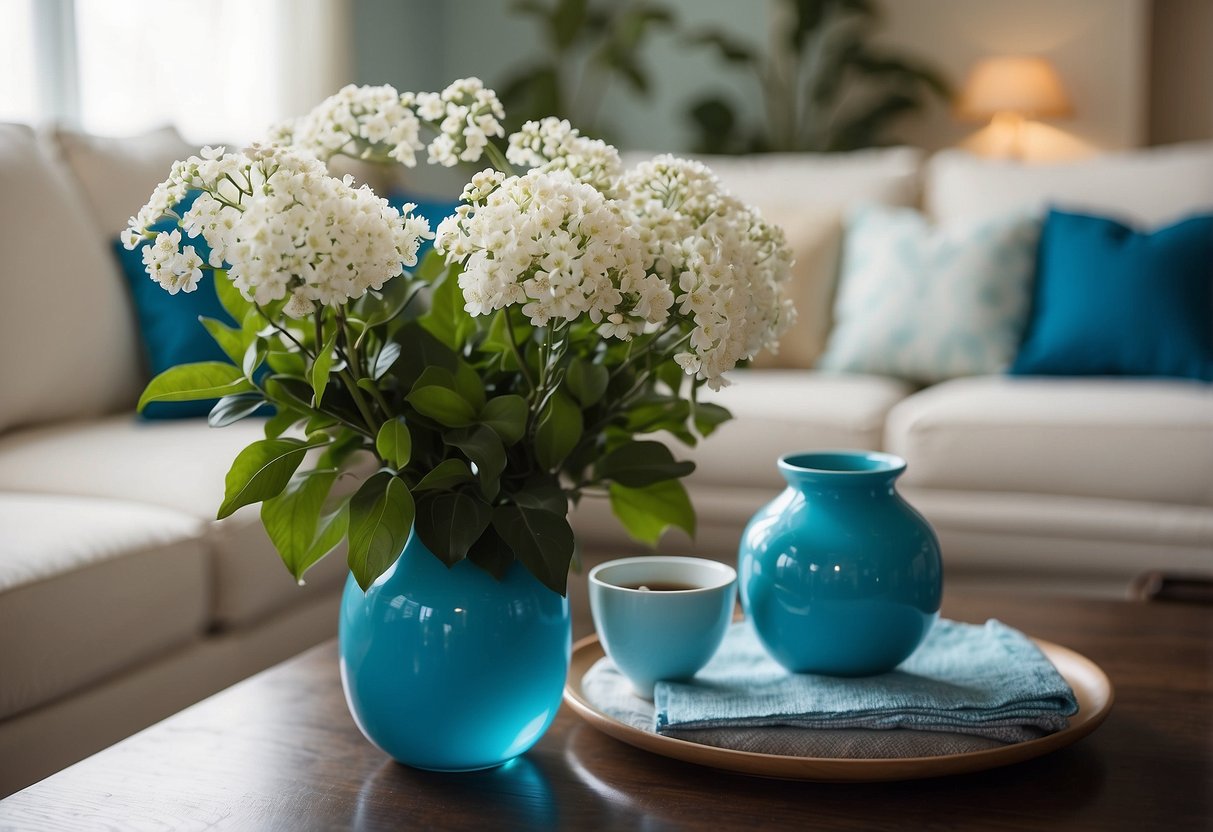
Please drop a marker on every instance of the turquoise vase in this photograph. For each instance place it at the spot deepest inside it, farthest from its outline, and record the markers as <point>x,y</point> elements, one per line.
<point>451,669</point>
<point>838,573</point>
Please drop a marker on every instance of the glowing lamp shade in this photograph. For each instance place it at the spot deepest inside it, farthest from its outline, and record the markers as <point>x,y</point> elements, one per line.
<point>1024,87</point>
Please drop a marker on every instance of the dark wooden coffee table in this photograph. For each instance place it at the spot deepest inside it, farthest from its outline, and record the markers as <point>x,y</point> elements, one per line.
<point>279,751</point>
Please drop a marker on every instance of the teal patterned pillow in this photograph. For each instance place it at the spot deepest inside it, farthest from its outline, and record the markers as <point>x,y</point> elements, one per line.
<point>928,303</point>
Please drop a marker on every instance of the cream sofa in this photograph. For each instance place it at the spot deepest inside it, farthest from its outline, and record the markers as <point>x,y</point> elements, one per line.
<point>121,600</point>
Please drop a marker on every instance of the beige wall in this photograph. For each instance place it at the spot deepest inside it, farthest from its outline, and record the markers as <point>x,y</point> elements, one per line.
<point>1181,82</point>
<point>1100,49</point>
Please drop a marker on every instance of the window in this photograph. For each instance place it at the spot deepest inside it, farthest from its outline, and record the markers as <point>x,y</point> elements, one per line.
<point>220,70</point>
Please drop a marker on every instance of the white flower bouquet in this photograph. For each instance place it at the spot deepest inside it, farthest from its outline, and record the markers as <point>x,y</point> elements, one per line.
<point>569,311</point>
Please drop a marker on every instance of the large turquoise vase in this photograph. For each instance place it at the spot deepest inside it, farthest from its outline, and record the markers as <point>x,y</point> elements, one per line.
<point>451,669</point>
<point>839,574</point>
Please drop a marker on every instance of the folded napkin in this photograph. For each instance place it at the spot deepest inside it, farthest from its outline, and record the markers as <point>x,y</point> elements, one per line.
<point>966,688</point>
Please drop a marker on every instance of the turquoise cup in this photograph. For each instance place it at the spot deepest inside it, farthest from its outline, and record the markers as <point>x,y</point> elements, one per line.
<point>661,618</point>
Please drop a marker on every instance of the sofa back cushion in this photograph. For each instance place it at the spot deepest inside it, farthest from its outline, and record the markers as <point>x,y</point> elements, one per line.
<point>117,175</point>
<point>66,330</point>
<point>807,195</point>
<point>1149,187</point>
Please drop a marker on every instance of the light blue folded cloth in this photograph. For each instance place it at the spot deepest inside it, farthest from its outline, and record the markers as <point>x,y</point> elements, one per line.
<point>986,681</point>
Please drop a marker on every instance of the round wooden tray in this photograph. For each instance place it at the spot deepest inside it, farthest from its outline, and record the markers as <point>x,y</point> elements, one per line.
<point>1091,687</point>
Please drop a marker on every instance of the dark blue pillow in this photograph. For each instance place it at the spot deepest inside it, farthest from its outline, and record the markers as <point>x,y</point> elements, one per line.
<point>434,210</point>
<point>1112,300</point>
<point>168,324</point>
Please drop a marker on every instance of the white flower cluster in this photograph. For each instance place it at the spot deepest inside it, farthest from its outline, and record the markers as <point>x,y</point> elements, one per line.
<point>726,262</point>
<point>554,144</point>
<point>555,246</point>
<point>380,123</point>
<point>361,122</point>
<point>176,269</point>
<point>466,114</point>
<point>283,227</point>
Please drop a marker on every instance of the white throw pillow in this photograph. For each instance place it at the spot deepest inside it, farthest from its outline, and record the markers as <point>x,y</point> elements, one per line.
<point>1149,187</point>
<point>117,175</point>
<point>927,303</point>
<point>66,329</point>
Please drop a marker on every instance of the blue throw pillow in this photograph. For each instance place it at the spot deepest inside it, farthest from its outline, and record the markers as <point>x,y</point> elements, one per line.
<point>168,324</point>
<point>1112,300</point>
<point>434,210</point>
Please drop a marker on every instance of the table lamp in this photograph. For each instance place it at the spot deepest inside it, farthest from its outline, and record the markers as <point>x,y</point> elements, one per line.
<point>1010,90</point>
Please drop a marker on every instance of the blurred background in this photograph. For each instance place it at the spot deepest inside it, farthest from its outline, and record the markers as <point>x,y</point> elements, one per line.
<point>678,75</point>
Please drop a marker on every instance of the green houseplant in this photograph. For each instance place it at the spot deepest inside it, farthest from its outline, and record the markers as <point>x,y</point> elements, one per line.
<point>569,311</point>
<point>825,86</point>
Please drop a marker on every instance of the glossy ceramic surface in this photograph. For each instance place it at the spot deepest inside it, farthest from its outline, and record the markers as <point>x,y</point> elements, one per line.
<point>449,669</point>
<point>840,574</point>
<point>662,634</point>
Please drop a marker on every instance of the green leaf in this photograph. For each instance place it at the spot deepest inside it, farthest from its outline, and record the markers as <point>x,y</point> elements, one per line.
<point>506,415</point>
<point>381,515</point>
<point>638,464</point>
<point>291,518</point>
<point>547,497</point>
<point>229,296</point>
<point>262,470</point>
<point>254,356</point>
<point>484,449</point>
<point>446,319</point>
<point>281,421</point>
<point>419,351</point>
<point>469,385</point>
<point>498,340</point>
<point>432,265</point>
<point>449,522</point>
<point>190,382</point>
<point>541,540</point>
<point>228,338</point>
<point>588,382</point>
<point>333,528</point>
<point>647,512</point>
<point>491,553</point>
<point>558,431</point>
<point>435,395</point>
<point>445,475</point>
<point>708,417</point>
<point>384,359</point>
<point>394,443</point>
<point>231,409</point>
<point>321,367</point>
<point>567,21</point>
<point>286,363</point>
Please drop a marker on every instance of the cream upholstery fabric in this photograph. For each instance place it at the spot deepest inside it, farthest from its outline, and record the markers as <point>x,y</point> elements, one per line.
<point>90,587</point>
<point>1125,439</point>
<point>117,175</point>
<point>41,741</point>
<point>176,464</point>
<point>815,237</point>
<point>781,411</point>
<point>66,328</point>
<point>1152,187</point>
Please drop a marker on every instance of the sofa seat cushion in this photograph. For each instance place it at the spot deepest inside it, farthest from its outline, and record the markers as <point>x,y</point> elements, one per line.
<point>90,587</point>
<point>776,412</point>
<point>1132,439</point>
<point>179,465</point>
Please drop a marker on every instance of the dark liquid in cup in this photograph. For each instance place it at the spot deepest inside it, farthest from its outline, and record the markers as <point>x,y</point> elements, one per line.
<point>660,586</point>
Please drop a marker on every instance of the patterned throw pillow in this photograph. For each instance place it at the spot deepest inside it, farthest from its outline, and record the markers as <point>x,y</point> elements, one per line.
<point>928,303</point>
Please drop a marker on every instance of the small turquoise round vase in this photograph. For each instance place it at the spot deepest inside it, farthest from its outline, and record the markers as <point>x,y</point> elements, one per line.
<point>449,669</point>
<point>839,574</point>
